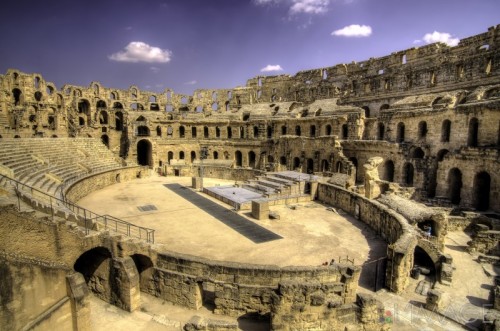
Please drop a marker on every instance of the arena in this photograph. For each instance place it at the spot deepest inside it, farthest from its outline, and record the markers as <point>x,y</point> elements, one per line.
<point>315,201</point>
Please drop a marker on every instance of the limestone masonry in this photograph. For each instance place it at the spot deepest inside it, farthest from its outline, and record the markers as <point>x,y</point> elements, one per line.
<point>407,143</point>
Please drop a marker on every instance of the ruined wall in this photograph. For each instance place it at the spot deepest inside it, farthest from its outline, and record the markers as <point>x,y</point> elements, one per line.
<point>389,225</point>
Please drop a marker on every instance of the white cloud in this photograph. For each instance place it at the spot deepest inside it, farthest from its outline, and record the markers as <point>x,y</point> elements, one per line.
<point>417,41</point>
<point>138,51</point>
<point>353,30</point>
<point>309,6</point>
<point>191,82</point>
<point>154,69</point>
<point>442,37</point>
<point>299,6</point>
<point>271,67</point>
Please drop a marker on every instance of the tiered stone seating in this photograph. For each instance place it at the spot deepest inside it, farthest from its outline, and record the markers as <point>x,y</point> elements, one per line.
<point>46,163</point>
<point>275,185</point>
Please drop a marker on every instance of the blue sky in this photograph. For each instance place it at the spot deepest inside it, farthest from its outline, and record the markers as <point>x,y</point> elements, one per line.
<point>191,44</point>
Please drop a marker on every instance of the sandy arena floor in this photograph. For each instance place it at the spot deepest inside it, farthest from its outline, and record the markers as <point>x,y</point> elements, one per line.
<point>310,233</point>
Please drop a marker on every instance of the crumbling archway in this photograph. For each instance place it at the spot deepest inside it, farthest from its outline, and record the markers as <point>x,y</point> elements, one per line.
<point>145,269</point>
<point>95,266</point>
<point>144,153</point>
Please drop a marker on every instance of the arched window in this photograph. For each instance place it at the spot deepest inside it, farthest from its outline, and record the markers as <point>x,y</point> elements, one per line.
<point>482,186</point>
<point>217,132</point>
<point>418,153</point>
<point>251,159</point>
<point>422,129</point>
<point>255,131</point>
<point>472,140</point>
<point>103,118</point>
<point>181,155</point>
<point>400,135</point>
<point>408,173</point>
<point>345,131</point>
<point>445,131</point>
<point>216,155</point>
<point>158,131</point>
<point>312,131</point>
<point>454,185</point>
<point>297,130</point>
<point>193,132</point>
<point>182,132</point>
<point>205,131</point>
<point>381,131</point>
<point>229,132</point>
<point>283,130</point>
<point>328,130</point>
<point>238,158</point>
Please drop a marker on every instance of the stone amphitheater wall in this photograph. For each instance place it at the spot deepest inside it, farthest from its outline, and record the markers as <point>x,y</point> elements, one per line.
<point>388,224</point>
<point>94,182</point>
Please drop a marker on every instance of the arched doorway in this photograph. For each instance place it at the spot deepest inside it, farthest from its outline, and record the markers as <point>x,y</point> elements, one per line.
<point>400,132</point>
<point>472,138</point>
<point>95,266</point>
<point>145,269</point>
<point>310,166</point>
<point>239,158</point>
<point>388,171</point>
<point>424,264</point>
<point>454,185</point>
<point>144,153</point>
<point>251,159</point>
<point>296,163</point>
<point>408,173</point>
<point>482,183</point>
<point>325,165</point>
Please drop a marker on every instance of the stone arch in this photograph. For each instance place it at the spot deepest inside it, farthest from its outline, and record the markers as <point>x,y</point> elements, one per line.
<point>158,131</point>
<point>251,159</point>
<point>328,130</point>
<point>103,117</point>
<point>385,106</point>
<point>238,156</point>
<point>345,131</point>
<point>310,166</point>
<point>144,153</point>
<point>454,185</point>
<point>16,94</point>
<point>400,132</point>
<point>472,138</point>
<point>387,172</point>
<point>119,121</point>
<point>445,131</point>
<point>95,266</point>
<point>423,258</point>
<point>296,163</point>
<point>101,104</point>
<point>283,130</point>
<point>283,160</point>
<point>381,131</point>
<point>312,130</point>
<point>297,130</point>
<point>182,131</point>
<point>145,268</point>
<point>325,165</point>
<point>482,186</point>
<point>422,129</point>
<point>417,153</point>
<point>408,174</point>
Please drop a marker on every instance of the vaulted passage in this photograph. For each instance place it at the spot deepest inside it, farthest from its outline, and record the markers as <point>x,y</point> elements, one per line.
<point>95,266</point>
<point>144,153</point>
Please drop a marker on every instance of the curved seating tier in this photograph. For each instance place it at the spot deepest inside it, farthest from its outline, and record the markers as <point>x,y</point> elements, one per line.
<point>47,163</point>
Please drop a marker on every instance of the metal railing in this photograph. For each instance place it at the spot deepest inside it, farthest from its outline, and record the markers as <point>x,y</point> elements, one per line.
<point>88,219</point>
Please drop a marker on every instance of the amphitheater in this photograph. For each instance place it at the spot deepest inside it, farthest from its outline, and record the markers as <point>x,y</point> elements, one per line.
<point>306,202</point>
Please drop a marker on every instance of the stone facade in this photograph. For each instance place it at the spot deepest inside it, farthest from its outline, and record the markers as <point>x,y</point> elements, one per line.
<point>429,112</point>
